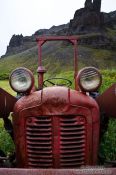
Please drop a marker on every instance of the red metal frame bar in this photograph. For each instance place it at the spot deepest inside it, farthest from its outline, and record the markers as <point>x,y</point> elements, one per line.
<point>42,40</point>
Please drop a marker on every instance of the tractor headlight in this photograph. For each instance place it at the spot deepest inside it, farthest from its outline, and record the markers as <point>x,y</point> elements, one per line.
<point>89,79</point>
<point>21,80</point>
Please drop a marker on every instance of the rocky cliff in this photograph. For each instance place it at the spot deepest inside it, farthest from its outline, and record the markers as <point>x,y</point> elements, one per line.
<point>95,28</point>
<point>19,43</point>
<point>87,19</point>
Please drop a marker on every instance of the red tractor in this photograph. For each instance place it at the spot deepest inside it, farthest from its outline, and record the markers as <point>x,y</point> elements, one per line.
<point>55,127</point>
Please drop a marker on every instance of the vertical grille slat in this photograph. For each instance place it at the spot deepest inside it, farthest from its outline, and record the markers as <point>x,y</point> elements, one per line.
<point>39,142</point>
<point>43,147</point>
<point>73,136</point>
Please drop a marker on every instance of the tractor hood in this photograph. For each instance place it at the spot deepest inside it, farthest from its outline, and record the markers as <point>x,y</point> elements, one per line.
<point>55,100</point>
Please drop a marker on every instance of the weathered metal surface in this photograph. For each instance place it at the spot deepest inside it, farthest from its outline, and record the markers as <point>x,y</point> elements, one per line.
<point>56,114</point>
<point>107,101</point>
<point>7,102</point>
<point>82,171</point>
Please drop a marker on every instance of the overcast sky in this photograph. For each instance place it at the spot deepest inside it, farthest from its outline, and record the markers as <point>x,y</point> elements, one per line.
<point>27,16</point>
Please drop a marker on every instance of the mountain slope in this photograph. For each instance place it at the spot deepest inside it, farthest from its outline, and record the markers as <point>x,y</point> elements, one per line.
<point>58,57</point>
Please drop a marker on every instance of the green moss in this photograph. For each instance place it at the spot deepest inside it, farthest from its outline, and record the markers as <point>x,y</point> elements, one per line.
<point>109,77</point>
<point>5,85</point>
<point>6,143</point>
<point>101,58</point>
<point>111,32</point>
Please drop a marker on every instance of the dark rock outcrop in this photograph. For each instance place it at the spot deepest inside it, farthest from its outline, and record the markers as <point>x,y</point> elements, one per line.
<point>54,30</point>
<point>110,19</point>
<point>16,40</point>
<point>87,19</point>
<point>94,25</point>
<point>19,43</point>
<point>97,5</point>
<point>97,41</point>
<point>88,4</point>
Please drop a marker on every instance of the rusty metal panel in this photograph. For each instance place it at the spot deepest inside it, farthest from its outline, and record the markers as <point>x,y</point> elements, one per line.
<point>107,101</point>
<point>7,102</point>
<point>60,105</point>
<point>82,171</point>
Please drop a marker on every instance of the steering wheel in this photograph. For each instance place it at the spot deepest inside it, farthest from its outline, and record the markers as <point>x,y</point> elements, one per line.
<point>54,82</point>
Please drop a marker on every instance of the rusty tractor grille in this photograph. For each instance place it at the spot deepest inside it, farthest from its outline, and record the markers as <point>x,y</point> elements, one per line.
<point>56,141</point>
<point>39,142</point>
<point>72,142</point>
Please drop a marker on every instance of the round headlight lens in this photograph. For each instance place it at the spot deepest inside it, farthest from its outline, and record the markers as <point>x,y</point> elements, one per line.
<point>21,80</point>
<point>89,79</point>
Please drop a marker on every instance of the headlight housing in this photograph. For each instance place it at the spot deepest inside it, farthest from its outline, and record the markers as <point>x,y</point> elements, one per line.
<point>89,79</point>
<point>21,80</point>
